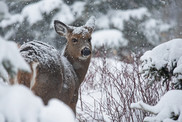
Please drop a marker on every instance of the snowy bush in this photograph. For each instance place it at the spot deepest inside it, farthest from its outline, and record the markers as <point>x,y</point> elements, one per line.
<point>168,109</point>
<point>164,63</point>
<point>109,88</point>
<point>10,60</point>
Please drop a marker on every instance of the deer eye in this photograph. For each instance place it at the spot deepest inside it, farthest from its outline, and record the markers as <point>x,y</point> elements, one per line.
<point>89,40</point>
<point>74,40</point>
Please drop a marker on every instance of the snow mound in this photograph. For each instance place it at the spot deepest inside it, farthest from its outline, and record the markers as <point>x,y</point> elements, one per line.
<point>167,109</point>
<point>111,38</point>
<point>19,104</point>
<point>56,111</point>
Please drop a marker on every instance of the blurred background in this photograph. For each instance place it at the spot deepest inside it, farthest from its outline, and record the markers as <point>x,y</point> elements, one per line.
<point>123,27</point>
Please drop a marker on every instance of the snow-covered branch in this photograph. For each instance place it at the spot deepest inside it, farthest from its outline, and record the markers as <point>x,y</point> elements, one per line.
<point>10,60</point>
<point>164,62</point>
<point>168,109</point>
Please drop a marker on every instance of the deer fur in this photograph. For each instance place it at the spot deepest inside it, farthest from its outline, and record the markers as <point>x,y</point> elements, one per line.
<point>57,75</point>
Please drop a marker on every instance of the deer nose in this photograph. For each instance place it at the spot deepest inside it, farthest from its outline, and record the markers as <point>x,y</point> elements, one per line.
<point>86,51</point>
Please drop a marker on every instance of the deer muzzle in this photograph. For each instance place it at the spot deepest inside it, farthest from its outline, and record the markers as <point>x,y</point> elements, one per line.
<point>85,51</point>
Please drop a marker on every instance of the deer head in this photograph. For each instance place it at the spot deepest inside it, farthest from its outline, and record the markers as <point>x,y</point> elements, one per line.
<point>78,39</point>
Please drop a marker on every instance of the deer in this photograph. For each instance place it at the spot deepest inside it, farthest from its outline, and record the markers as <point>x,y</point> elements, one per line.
<point>56,74</point>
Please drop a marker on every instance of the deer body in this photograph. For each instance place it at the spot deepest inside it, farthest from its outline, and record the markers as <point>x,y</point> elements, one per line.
<point>56,75</point>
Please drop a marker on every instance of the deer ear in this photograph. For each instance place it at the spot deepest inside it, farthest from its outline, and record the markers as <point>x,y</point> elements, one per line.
<point>61,28</point>
<point>90,24</point>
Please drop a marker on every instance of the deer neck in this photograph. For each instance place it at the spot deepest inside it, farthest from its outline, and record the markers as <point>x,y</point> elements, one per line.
<point>80,66</point>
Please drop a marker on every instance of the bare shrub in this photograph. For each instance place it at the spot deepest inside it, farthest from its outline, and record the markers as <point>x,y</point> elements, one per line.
<point>110,87</point>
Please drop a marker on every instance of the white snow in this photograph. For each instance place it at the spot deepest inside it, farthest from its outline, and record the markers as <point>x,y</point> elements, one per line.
<point>34,15</point>
<point>65,14</point>
<point>170,104</point>
<point>56,111</point>
<point>11,20</point>
<point>10,57</point>
<point>4,13</point>
<point>103,22</point>
<point>90,24</point>
<point>34,12</point>
<point>152,28</point>
<point>68,14</point>
<point>110,37</point>
<point>78,8</point>
<point>167,55</point>
<point>117,18</point>
<point>19,104</point>
<point>79,30</point>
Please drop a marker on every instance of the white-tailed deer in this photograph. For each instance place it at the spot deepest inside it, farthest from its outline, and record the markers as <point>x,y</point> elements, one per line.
<point>57,75</point>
